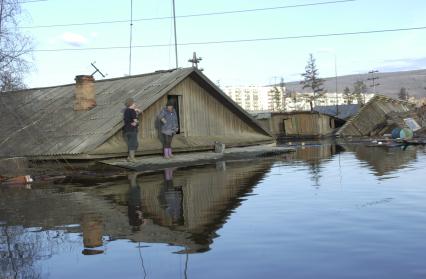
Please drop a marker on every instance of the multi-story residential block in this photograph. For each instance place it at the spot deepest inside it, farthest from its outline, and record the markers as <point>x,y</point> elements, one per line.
<point>268,98</point>
<point>251,98</point>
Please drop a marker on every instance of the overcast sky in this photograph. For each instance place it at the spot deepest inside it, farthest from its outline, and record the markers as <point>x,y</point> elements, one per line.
<point>243,63</point>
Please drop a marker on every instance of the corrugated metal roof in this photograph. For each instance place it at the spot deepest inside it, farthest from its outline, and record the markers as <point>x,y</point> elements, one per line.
<point>342,111</point>
<point>42,121</point>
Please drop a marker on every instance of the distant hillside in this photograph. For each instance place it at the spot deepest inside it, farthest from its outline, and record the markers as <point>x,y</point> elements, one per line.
<point>390,83</point>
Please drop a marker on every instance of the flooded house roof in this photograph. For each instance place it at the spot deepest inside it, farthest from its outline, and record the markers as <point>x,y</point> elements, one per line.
<point>43,121</point>
<point>342,112</point>
<point>297,123</point>
<point>268,115</point>
<point>376,117</point>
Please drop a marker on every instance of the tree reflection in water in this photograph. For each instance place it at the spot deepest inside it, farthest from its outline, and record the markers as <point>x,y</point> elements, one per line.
<point>315,156</point>
<point>21,249</point>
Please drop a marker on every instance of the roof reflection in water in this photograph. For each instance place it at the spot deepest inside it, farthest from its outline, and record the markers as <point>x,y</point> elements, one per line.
<point>184,207</point>
<point>180,207</point>
<point>383,160</point>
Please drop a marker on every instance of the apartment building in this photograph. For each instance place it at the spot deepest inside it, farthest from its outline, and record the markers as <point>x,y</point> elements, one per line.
<point>267,98</point>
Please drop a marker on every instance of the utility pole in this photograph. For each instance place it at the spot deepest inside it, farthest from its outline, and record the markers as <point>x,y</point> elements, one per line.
<point>131,37</point>
<point>335,73</point>
<point>174,26</point>
<point>373,79</point>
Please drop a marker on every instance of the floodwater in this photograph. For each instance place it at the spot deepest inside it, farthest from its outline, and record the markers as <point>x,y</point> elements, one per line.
<point>326,211</point>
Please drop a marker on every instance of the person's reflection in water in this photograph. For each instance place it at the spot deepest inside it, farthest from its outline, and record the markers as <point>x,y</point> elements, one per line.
<point>171,198</point>
<point>92,225</point>
<point>134,204</point>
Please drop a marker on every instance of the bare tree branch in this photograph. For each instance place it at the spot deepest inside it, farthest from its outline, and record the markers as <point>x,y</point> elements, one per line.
<point>15,48</point>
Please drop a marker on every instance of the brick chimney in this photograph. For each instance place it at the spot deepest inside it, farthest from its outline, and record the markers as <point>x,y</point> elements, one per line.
<point>85,94</point>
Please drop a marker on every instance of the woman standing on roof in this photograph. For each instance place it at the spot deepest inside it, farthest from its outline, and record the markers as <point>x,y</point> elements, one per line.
<point>168,127</point>
<point>130,129</point>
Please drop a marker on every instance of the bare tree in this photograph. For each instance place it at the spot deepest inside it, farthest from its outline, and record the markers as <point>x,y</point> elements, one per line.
<point>15,47</point>
<point>21,249</point>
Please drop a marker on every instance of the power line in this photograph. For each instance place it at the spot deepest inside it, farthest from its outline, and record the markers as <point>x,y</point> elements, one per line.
<point>32,1</point>
<point>188,15</point>
<point>241,40</point>
<point>25,2</point>
<point>265,9</point>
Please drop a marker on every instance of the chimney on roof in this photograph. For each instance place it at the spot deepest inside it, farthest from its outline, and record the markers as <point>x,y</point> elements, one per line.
<point>85,94</point>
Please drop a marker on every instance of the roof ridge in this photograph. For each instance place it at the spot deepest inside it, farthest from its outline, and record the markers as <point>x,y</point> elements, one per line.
<point>157,72</point>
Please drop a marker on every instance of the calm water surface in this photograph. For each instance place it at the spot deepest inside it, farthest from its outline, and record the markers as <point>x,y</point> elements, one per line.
<point>345,211</point>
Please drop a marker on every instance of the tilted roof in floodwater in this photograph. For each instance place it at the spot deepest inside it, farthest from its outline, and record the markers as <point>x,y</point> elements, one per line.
<point>372,118</point>
<point>42,121</point>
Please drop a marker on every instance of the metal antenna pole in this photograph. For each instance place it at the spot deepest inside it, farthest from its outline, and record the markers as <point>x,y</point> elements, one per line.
<point>174,26</point>
<point>96,70</point>
<point>335,73</point>
<point>131,37</point>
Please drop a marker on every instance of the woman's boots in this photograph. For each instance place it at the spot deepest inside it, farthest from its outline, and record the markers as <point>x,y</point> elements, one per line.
<point>167,153</point>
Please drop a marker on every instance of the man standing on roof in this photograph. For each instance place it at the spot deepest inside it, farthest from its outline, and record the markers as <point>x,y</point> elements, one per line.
<point>169,127</point>
<point>130,129</point>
